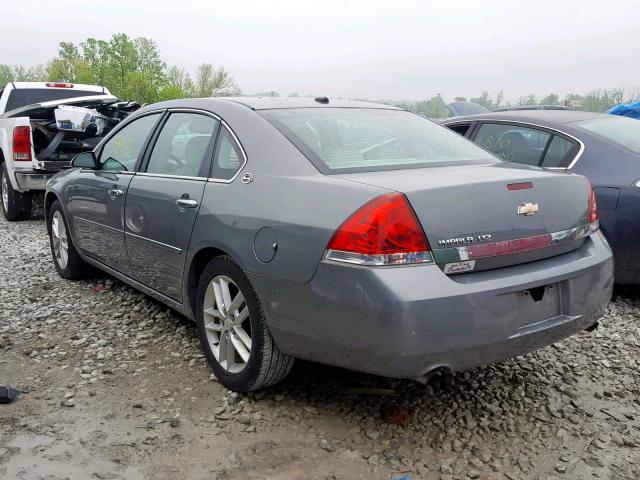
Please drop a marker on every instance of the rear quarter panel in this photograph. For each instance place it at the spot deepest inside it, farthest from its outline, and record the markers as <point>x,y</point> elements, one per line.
<point>288,195</point>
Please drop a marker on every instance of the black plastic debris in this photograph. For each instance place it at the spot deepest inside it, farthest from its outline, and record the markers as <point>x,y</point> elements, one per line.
<point>8,394</point>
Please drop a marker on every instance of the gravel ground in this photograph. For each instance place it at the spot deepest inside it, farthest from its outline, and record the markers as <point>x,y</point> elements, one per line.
<point>116,388</point>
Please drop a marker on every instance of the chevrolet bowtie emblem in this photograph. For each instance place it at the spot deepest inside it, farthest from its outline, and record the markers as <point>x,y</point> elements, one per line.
<point>527,208</point>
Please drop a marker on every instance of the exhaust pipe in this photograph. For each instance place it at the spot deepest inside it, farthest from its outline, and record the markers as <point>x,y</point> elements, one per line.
<point>434,372</point>
<point>592,327</point>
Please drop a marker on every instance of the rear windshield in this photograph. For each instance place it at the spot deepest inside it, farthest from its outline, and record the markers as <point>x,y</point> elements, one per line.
<point>341,140</point>
<point>620,130</point>
<point>28,96</point>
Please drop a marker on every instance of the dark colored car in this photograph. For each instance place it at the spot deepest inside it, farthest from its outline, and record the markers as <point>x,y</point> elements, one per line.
<point>604,148</point>
<point>348,233</point>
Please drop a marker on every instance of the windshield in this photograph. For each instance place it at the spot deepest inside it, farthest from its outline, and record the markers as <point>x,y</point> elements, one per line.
<point>340,140</point>
<point>620,130</point>
<point>28,96</point>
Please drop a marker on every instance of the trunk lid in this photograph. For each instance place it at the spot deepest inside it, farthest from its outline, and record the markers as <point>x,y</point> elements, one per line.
<point>474,221</point>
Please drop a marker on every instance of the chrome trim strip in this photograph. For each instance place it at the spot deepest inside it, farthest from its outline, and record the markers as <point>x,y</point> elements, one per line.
<point>171,247</point>
<point>492,120</point>
<point>98,224</point>
<point>94,170</point>
<point>176,177</point>
<point>464,253</point>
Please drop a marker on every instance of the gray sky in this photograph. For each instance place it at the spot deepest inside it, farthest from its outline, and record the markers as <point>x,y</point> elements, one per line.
<point>373,49</point>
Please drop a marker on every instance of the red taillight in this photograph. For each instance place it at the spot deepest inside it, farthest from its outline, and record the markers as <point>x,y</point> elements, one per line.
<point>22,144</point>
<point>59,85</point>
<point>593,210</point>
<point>385,231</point>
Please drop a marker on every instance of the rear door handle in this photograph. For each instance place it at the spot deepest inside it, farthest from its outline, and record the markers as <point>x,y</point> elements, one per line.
<point>115,192</point>
<point>186,203</point>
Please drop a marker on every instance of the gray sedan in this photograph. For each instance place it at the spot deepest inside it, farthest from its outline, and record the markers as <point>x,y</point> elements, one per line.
<point>353,234</point>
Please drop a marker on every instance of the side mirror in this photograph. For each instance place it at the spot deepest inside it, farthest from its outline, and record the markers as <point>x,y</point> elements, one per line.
<point>85,160</point>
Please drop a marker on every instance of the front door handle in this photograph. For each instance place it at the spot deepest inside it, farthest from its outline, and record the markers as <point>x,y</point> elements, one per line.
<point>115,192</point>
<point>186,203</point>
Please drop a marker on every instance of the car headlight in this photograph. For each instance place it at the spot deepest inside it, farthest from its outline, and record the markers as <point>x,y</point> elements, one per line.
<point>637,183</point>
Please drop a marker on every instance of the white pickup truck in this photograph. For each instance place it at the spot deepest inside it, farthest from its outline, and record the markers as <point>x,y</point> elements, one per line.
<point>43,125</point>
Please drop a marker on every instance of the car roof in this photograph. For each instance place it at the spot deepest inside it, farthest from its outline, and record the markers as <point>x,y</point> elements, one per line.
<point>269,103</point>
<point>533,116</point>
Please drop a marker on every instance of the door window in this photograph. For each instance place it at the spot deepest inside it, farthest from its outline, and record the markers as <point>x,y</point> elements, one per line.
<point>121,152</point>
<point>560,153</point>
<point>184,146</point>
<point>513,143</point>
<point>461,128</point>
<point>228,159</point>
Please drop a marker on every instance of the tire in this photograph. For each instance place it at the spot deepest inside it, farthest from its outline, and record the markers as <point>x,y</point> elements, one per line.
<point>15,205</point>
<point>265,365</point>
<point>68,262</point>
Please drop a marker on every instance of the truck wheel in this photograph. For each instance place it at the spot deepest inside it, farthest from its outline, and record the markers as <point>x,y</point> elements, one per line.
<point>15,205</point>
<point>66,258</point>
<point>233,331</point>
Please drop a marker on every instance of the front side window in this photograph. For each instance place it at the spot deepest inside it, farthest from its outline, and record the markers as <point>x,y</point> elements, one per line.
<point>184,145</point>
<point>620,130</point>
<point>513,143</point>
<point>338,140</point>
<point>121,152</point>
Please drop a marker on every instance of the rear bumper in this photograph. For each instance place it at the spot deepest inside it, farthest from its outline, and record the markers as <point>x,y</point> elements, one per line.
<point>404,322</point>
<point>32,180</point>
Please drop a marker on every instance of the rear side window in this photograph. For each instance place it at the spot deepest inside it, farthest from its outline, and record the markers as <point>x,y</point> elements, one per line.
<point>560,153</point>
<point>121,151</point>
<point>228,158</point>
<point>28,96</point>
<point>341,140</point>
<point>184,146</point>
<point>623,131</point>
<point>513,143</point>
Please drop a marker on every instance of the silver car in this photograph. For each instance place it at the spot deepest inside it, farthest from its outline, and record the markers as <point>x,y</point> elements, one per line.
<point>352,234</point>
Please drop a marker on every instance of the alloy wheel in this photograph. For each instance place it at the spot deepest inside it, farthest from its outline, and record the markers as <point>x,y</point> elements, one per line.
<point>227,324</point>
<point>60,240</point>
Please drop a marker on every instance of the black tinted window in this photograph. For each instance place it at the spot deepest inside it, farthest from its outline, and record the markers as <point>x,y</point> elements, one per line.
<point>121,151</point>
<point>560,153</point>
<point>183,146</point>
<point>461,128</point>
<point>513,143</point>
<point>28,96</point>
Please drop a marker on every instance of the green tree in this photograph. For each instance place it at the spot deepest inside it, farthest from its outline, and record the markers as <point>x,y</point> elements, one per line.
<point>527,100</point>
<point>6,74</point>
<point>551,99</point>
<point>212,82</point>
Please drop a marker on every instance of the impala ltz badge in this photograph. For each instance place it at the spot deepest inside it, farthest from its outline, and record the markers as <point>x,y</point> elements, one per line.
<point>454,242</point>
<point>527,208</point>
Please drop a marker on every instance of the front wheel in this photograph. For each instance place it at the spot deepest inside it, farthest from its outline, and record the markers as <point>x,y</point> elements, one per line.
<point>15,205</point>
<point>233,331</point>
<point>66,258</point>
